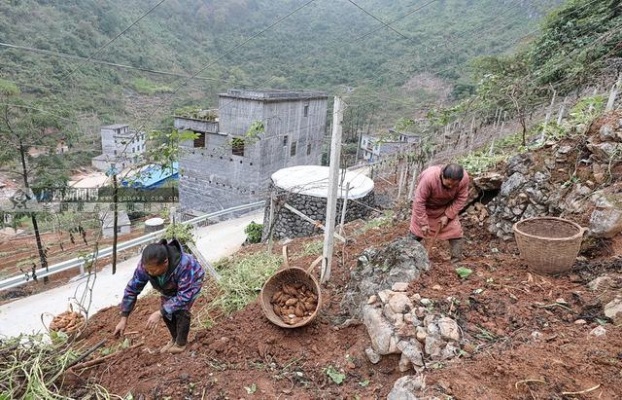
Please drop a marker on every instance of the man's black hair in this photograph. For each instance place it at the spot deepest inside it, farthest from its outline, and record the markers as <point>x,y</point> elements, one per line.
<point>453,171</point>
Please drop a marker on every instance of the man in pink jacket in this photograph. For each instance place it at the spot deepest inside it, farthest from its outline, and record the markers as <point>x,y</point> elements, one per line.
<point>440,195</point>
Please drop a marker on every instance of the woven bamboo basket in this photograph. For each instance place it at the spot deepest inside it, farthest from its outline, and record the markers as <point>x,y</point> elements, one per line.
<point>548,244</point>
<point>293,275</point>
<point>285,276</point>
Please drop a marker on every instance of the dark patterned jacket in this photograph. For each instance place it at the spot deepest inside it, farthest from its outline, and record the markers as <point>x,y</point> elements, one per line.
<point>179,286</point>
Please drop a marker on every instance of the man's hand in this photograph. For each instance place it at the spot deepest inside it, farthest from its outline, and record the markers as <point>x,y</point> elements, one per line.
<point>154,319</point>
<point>444,221</point>
<point>120,328</point>
<point>425,230</point>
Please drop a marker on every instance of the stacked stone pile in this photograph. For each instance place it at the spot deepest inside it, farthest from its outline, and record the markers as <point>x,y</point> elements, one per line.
<point>398,324</point>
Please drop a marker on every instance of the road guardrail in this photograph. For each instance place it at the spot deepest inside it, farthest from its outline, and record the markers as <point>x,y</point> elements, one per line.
<point>78,262</point>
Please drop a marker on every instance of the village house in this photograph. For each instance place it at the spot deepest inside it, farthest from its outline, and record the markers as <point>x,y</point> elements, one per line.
<point>375,148</point>
<point>253,134</point>
<point>121,148</point>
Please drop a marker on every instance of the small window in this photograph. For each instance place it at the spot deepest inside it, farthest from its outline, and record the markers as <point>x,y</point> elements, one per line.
<point>308,149</point>
<point>285,140</point>
<point>306,110</point>
<point>199,141</point>
<point>292,150</point>
<point>237,147</point>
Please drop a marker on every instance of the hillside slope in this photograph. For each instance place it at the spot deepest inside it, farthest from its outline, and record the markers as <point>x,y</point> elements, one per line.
<point>522,334</point>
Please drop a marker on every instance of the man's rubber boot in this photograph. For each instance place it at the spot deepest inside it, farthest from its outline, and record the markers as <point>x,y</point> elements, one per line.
<point>455,246</point>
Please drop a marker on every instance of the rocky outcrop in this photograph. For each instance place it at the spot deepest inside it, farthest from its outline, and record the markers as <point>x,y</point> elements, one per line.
<point>532,186</point>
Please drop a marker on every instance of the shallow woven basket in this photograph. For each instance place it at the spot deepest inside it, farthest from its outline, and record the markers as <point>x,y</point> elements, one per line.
<point>548,244</point>
<point>276,281</point>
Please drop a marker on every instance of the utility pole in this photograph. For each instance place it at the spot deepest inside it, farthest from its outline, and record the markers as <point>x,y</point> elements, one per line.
<point>333,183</point>
<point>115,216</point>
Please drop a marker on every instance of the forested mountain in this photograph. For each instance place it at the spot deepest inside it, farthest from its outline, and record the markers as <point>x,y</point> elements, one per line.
<point>109,61</point>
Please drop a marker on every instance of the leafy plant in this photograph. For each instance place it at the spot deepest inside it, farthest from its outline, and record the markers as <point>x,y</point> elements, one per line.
<point>312,248</point>
<point>335,375</point>
<point>587,109</point>
<point>251,389</point>
<point>464,272</point>
<point>242,278</point>
<point>256,128</point>
<point>253,232</point>
<point>383,221</point>
<point>182,232</point>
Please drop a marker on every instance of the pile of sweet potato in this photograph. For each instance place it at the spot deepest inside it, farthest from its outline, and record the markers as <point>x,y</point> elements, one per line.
<point>294,303</point>
<point>68,322</point>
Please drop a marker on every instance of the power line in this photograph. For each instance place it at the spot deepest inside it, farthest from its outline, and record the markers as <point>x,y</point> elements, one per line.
<point>384,23</point>
<point>96,61</point>
<point>112,40</point>
<point>206,66</point>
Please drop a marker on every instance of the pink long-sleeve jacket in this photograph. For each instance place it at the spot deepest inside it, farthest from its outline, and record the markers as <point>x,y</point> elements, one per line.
<point>433,200</point>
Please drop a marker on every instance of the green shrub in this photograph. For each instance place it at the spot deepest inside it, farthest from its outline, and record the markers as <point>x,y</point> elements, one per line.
<point>253,232</point>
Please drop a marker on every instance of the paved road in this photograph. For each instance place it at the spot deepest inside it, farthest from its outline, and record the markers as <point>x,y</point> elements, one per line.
<point>24,315</point>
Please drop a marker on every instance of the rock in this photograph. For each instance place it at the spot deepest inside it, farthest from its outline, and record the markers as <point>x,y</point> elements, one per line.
<point>450,351</point>
<point>519,163</point>
<point>411,318</point>
<point>372,356</point>
<point>604,282</point>
<point>449,329</point>
<point>400,303</point>
<point>425,302</point>
<point>402,260</point>
<point>385,295</point>
<point>607,133</point>
<point>604,152</point>
<point>379,329</point>
<point>514,182</point>
<point>434,347</point>
<point>404,364</point>
<point>606,219</point>
<point>412,350</point>
<point>598,331</point>
<point>488,181</point>
<point>372,299</point>
<point>405,388</point>
<point>613,310</point>
<point>400,286</point>
<point>421,334</point>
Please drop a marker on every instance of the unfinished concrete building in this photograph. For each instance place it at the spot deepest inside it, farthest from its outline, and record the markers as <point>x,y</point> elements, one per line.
<point>255,133</point>
<point>121,148</point>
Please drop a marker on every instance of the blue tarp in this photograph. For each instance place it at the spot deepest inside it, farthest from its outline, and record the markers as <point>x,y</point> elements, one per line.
<point>152,176</point>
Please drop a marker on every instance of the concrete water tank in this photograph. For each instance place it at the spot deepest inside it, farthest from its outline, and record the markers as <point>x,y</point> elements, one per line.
<point>154,224</point>
<point>305,188</point>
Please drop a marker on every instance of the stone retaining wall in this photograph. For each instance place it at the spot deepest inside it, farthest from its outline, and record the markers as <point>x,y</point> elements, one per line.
<point>289,225</point>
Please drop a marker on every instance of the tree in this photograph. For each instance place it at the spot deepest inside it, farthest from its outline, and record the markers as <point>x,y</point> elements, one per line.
<point>506,83</point>
<point>30,135</point>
